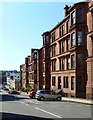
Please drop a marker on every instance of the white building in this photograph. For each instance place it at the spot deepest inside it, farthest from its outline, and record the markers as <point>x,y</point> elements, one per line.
<point>13,79</point>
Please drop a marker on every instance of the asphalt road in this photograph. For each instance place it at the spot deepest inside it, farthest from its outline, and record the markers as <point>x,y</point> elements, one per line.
<point>16,107</point>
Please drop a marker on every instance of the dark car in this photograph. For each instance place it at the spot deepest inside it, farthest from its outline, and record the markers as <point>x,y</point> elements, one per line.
<point>32,94</point>
<point>49,95</point>
<point>14,92</point>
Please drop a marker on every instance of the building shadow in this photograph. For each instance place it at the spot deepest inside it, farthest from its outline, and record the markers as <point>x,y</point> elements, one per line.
<point>8,97</point>
<point>12,116</point>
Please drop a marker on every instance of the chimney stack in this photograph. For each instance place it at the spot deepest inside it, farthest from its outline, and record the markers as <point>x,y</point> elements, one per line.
<point>66,10</point>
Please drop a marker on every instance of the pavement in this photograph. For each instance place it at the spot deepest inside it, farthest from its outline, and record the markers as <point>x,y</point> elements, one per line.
<point>68,99</point>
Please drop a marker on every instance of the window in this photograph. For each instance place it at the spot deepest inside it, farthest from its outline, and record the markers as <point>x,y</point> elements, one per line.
<point>61,31</point>
<point>72,82</point>
<point>79,37</point>
<point>73,42</point>
<point>61,46</point>
<point>79,15</point>
<point>47,92</point>
<point>68,44</point>
<point>53,65</point>
<point>53,36</point>
<point>65,82</point>
<point>68,63</point>
<point>72,18</point>
<point>68,26</point>
<point>53,81</point>
<point>11,77</point>
<point>79,60</point>
<point>43,40</point>
<point>47,39</point>
<point>79,84</point>
<point>62,63</point>
<point>72,61</point>
<point>53,50</point>
<point>35,56</point>
<point>59,82</point>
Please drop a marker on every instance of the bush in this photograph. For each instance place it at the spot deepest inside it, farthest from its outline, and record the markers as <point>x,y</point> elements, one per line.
<point>28,89</point>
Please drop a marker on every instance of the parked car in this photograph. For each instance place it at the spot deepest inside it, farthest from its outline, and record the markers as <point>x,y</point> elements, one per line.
<point>32,94</point>
<point>14,92</point>
<point>47,95</point>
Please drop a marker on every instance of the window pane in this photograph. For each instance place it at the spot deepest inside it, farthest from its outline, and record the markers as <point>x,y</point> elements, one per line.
<point>47,39</point>
<point>53,36</point>
<point>73,18</point>
<point>79,15</point>
<point>66,82</point>
<point>68,63</point>
<point>68,26</point>
<point>68,44</point>
<point>79,60</point>
<point>73,39</point>
<point>72,61</point>
<point>72,82</point>
<point>53,81</point>
<point>61,31</point>
<point>79,37</point>
<point>62,63</point>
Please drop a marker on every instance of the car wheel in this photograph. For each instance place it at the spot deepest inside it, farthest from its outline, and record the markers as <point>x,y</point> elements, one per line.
<point>58,98</point>
<point>42,98</point>
<point>38,99</point>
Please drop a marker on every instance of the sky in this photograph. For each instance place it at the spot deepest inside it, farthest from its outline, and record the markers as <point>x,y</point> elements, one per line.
<point>21,27</point>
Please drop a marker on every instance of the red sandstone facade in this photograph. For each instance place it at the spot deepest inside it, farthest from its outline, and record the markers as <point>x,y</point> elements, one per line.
<point>23,75</point>
<point>89,86</point>
<point>68,52</point>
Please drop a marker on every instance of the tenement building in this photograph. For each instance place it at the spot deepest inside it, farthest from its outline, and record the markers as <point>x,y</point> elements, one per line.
<point>33,69</point>
<point>28,71</point>
<point>89,87</point>
<point>68,52</point>
<point>23,75</point>
<point>40,80</point>
<point>65,61</point>
<point>46,60</point>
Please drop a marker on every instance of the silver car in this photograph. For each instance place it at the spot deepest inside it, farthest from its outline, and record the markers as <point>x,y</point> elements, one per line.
<point>47,95</point>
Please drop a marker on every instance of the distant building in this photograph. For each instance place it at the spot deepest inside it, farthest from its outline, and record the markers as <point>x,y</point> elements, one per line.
<point>10,78</point>
<point>33,69</point>
<point>28,71</point>
<point>23,75</point>
<point>13,79</point>
<point>40,76</point>
<point>46,60</point>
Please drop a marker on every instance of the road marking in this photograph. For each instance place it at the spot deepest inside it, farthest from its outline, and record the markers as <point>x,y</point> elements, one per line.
<point>22,102</point>
<point>34,102</point>
<point>47,112</point>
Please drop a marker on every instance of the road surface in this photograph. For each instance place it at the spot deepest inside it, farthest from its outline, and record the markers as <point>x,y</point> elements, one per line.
<point>18,107</point>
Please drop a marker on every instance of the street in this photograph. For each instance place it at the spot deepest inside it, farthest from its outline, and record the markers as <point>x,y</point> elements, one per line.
<point>22,107</point>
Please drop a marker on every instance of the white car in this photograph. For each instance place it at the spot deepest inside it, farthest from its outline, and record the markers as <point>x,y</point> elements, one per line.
<point>47,95</point>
